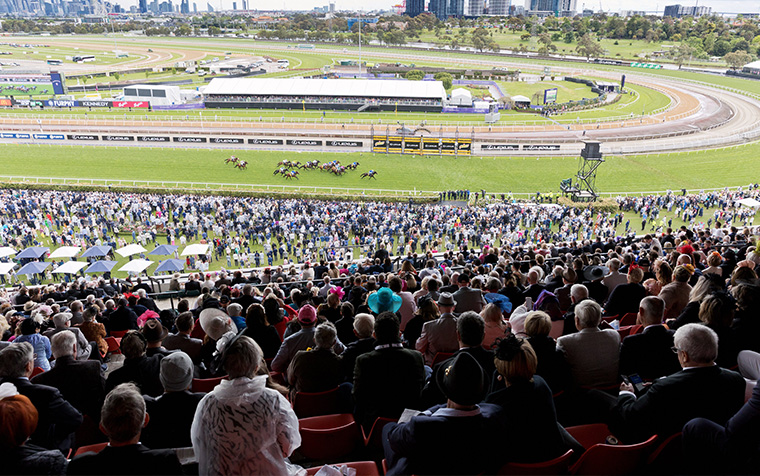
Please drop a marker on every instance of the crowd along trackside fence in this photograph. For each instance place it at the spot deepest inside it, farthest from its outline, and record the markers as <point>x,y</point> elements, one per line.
<point>169,185</point>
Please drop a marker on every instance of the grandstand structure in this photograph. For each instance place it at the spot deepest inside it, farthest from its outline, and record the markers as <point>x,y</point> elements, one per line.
<point>325,94</point>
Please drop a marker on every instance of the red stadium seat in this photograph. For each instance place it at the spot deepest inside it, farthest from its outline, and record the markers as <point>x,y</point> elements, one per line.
<point>313,404</point>
<point>624,332</point>
<point>37,371</point>
<point>97,448</point>
<point>628,319</point>
<point>206,385</point>
<point>557,465</point>
<point>118,334</point>
<point>589,435</point>
<point>666,458</point>
<point>363,468</point>
<point>613,460</point>
<point>327,437</point>
<point>113,345</point>
<point>374,438</point>
<point>441,356</point>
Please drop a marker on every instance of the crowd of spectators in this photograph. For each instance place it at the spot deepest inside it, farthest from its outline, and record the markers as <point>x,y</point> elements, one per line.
<point>463,335</point>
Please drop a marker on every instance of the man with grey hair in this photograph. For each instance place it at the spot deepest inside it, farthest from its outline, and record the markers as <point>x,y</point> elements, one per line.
<point>364,326</point>
<point>578,294</point>
<point>318,369</point>
<point>592,353</point>
<point>81,382</point>
<point>58,419</point>
<point>122,420</point>
<point>700,389</point>
<point>615,277</point>
<point>648,354</point>
<point>235,312</point>
<point>144,300</point>
<point>62,321</point>
<point>76,308</point>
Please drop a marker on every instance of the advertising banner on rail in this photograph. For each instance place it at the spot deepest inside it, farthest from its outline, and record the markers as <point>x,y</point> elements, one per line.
<point>448,146</point>
<point>539,147</point>
<point>412,145</point>
<point>421,145</point>
<point>499,147</point>
<point>266,141</point>
<point>82,137</point>
<point>395,145</point>
<point>379,144</point>
<point>153,139</point>
<point>226,140</point>
<point>431,146</point>
<point>464,147</point>
<point>127,104</point>
<point>344,143</point>
<point>302,142</point>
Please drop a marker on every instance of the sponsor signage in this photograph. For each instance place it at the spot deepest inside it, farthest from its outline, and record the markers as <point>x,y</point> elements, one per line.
<point>49,136</point>
<point>6,102</point>
<point>431,146</point>
<point>265,141</point>
<point>448,146</point>
<point>28,102</point>
<point>60,103</point>
<point>153,139</point>
<point>412,145</point>
<point>541,147</point>
<point>190,139</point>
<point>309,142</point>
<point>464,147</point>
<point>499,147</point>
<point>226,140</point>
<point>344,143</point>
<point>114,138</point>
<point>91,103</point>
<point>81,137</point>
<point>13,135</point>
<point>395,144</point>
<point>126,104</point>
<point>379,143</point>
<point>58,83</point>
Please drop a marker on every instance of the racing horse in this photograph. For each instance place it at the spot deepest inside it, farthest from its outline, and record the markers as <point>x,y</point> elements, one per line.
<point>281,170</point>
<point>370,174</point>
<point>312,164</point>
<point>352,165</point>
<point>293,174</point>
<point>232,159</point>
<point>242,165</point>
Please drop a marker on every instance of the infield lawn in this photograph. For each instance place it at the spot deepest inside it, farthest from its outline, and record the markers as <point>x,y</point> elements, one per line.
<point>694,171</point>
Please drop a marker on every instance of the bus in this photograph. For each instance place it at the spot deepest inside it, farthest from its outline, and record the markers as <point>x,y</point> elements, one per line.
<point>283,63</point>
<point>83,59</point>
<point>54,62</point>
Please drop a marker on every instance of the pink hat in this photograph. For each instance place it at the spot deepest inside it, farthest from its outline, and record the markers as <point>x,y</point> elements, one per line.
<point>307,314</point>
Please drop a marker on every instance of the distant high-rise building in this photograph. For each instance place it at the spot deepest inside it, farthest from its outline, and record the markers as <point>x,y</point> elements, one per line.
<point>195,7</point>
<point>143,6</point>
<point>498,7</point>
<point>567,8</point>
<point>476,8</point>
<point>332,7</point>
<point>234,5</point>
<point>414,7</point>
<point>209,7</point>
<point>678,11</point>
<point>544,7</point>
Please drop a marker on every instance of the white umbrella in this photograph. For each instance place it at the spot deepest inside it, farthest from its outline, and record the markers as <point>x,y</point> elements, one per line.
<point>65,252</point>
<point>6,251</point>
<point>70,267</point>
<point>136,265</point>
<point>130,250</point>
<point>5,268</point>
<point>197,249</point>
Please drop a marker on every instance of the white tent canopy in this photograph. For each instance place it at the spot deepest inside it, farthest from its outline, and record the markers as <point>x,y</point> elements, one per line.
<point>65,252</point>
<point>130,250</point>
<point>5,268</point>
<point>461,97</point>
<point>749,202</point>
<point>299,87</point>
<point>6,251</point>
<point>520,98</point>
<point>70,267</point>
<point>197,249</point>
<point>136,266</point>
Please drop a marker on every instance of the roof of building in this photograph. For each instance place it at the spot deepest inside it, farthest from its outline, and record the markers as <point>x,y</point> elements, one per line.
<point>753,65</point>
<point>326,87</point>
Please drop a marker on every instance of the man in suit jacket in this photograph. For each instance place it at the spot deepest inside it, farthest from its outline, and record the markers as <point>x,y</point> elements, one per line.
<point>592,353</point>
<point>467,298</point>
<point>145,301</point>
<point>649,353</point>
<point>471,430</point>
<point>701,389</point>
<point>182,340</point>
<point>471,330</point>
<point>58,420</point>
<point>246,299</point>
<point>123,419</point>
<point>172,413</point>
<point>122,318</point>
<point>439,335</point>
<point>81,382</point>
<point>615,277</point>
<point>625,298</point>
<point>62,321</point>
<point>534,288</point>
<point>388,379</point>
<point>563,293</point>
<point>710,448</point>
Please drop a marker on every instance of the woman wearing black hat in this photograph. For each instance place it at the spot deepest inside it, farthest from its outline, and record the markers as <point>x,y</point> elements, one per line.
<point>539,437</point>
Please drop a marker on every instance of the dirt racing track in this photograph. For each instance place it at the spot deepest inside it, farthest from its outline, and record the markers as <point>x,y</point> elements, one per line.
<point>699,116</point>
